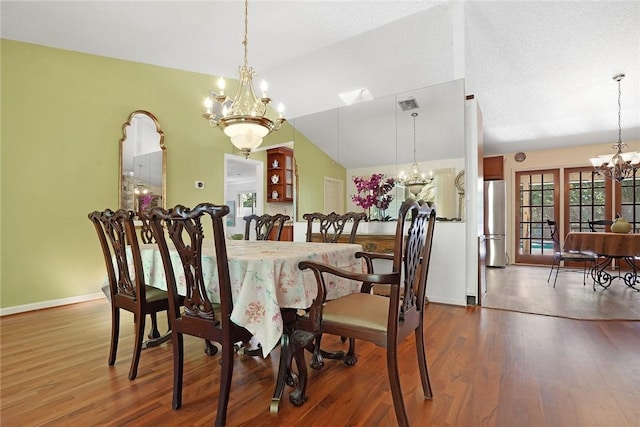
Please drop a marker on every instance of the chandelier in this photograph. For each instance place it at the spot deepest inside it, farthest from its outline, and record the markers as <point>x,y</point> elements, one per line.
<point>416,181</point>
<point>618,166</point>
<point>242,118</point>
<point>139,186</point>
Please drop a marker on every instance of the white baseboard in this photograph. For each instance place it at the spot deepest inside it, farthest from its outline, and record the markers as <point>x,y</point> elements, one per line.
<point>48,304</point>
<point>446,300</point>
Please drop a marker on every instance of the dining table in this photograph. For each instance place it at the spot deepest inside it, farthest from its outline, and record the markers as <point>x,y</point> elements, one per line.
<point>265,279</point>
<point>608,246</point>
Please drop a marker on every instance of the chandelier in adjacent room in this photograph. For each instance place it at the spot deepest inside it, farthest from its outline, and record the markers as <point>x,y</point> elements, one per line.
<point>243,119</point>
<point>416,181</point>
<point>619,165</point>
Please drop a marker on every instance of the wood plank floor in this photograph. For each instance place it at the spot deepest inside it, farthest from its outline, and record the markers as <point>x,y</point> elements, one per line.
<point>488,368</point>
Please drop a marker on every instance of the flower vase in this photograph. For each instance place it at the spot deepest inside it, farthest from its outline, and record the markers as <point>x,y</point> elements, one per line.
<point>376,214</point>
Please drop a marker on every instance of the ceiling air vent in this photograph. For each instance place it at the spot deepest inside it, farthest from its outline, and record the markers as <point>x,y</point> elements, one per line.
<point>408,104</point>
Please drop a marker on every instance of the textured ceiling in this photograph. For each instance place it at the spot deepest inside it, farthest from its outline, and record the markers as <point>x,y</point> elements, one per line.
<point>540,70</point>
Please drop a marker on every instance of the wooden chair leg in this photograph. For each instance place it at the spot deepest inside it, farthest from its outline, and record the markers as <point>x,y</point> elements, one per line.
<point>422,362</point>
<point>225,384</point>
<point>178,367</point>
<point>284,373</point>
<point>396,389</point>
<point>350,359</point>
<point>317,361</point>
<point>300,340</point>
<point>137,346</point>
<point>210,348</point>
<point>115,332</point>
<point>154,332</point>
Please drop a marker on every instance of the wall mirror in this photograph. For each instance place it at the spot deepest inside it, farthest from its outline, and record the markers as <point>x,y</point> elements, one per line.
<point>378,136</point>
<point>143,163</point>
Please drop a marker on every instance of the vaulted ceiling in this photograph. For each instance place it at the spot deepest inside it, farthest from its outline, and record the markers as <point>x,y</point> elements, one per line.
<point>540,70</point>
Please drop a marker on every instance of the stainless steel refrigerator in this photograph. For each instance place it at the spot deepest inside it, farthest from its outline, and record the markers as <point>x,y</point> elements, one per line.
<point>495,219</point>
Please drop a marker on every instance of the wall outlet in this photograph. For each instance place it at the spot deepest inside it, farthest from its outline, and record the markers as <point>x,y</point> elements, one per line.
<point>199,185</point>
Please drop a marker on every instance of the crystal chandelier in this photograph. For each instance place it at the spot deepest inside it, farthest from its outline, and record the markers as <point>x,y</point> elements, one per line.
<point>416,181</point>
<point>618,166</point>
<point>243,118</point>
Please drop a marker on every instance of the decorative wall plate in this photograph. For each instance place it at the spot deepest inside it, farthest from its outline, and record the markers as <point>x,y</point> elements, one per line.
<point>519,156</point>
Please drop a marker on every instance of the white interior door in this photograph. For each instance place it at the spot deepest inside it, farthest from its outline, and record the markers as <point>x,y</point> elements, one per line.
<point>333,195</point>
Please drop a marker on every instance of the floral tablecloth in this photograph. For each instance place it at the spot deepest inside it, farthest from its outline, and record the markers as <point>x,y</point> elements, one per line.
<point>264,278</point>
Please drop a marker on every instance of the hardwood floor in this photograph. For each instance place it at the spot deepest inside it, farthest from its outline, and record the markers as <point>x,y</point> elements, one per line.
<point>488,368</point>
<point>525,288</point>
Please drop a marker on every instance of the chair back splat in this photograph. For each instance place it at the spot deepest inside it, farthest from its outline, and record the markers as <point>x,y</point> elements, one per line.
<point>264,224</point>
<point>384,321</point>
<point>145,230</point>
<point>332,225</point>
<point>201,317</point>
<point>117,236</point>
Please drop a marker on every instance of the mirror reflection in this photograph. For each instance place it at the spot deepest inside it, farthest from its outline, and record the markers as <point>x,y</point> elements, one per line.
<point>378,136</point>
<point>142,163</point>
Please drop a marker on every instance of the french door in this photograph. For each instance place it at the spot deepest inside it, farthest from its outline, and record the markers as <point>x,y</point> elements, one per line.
<point>537,200</point>
<point>587,197</point>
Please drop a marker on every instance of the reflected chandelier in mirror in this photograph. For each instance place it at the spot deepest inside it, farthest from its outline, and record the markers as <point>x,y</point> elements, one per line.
<point>143,162</point>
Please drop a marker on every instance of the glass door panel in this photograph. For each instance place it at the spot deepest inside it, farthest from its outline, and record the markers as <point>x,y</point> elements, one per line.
<point>537,202</point>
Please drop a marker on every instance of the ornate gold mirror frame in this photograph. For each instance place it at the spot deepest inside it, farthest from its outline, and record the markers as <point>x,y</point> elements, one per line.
<point>143,163</point>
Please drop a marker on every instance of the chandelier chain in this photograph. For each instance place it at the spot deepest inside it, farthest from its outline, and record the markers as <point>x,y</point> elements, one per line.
<point>414,136</point>
<point>619,113</point>
<point>245,42</point>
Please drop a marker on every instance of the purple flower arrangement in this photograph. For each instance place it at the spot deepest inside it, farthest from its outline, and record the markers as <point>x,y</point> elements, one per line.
<point>145,202</point>
<point>373,192</point>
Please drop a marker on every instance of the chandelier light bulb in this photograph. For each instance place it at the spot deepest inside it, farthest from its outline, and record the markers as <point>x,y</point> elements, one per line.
<point>208,104</point>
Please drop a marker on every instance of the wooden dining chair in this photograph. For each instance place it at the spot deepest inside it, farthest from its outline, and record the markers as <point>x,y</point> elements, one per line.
<point>264,224</point>
<point>117,235</point>
<point>332,225</point>
<point>559,255</point>
<point>384,321</point>
<point>200,317</point>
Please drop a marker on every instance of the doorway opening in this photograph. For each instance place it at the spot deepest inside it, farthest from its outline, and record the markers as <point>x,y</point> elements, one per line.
<point>242,177</point>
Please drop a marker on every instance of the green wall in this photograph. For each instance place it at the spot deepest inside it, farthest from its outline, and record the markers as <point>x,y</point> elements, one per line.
<point>61,121</point>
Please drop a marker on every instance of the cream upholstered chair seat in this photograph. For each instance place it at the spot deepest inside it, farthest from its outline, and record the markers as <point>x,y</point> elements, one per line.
<point>342,311</point>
